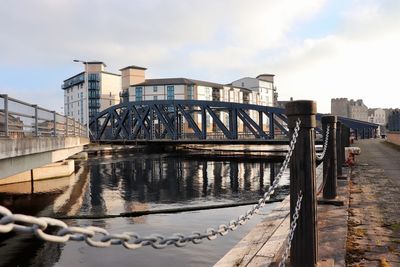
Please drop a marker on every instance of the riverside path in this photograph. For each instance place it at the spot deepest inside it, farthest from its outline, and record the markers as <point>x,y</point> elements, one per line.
<point>374,217</point>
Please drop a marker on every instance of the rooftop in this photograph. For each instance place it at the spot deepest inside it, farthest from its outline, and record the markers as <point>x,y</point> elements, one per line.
<point>133,67</point>
<point>173,81</point>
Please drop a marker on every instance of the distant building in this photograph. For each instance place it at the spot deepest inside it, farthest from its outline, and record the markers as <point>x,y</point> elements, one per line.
<point>257,91</point>
<point>377,115</point>
<point>394,120</point>
<point>103,87</point>
<point>130,76</point>
<point>354,109</point>
<point>107,89</point>
<point>263,85</point>
<point>190,89</point>
<point>15,126</point>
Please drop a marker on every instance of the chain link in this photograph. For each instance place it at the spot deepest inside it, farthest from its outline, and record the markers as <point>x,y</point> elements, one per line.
<point>293,226</point>
<point>322,155</point>
<point>99,237</point>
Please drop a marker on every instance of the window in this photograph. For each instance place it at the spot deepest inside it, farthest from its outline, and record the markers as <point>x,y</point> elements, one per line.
<point>138,93</point>
<point>110,103</point>
<point>155,97</point>
<point>208,93</point>
<point>190,92</point>
<point>154,88</point>
<point>170,92</point>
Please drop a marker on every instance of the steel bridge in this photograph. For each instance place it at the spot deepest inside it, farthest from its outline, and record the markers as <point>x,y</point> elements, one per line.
<point>198,122</point>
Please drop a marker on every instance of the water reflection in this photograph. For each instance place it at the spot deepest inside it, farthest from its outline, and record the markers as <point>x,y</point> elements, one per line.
<point>162,179</point>
<point>115,184</point>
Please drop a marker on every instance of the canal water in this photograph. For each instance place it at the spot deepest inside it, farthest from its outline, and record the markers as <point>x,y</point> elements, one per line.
<point>110,185</point>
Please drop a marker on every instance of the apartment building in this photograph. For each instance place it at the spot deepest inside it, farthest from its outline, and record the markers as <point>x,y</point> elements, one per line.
<point>102,91</point>
<point>377,115</point>
<point>106,89</point>
<point>394,120</point>
<point>258,91</point>
<point>262,85</point>
<point>354,109</point>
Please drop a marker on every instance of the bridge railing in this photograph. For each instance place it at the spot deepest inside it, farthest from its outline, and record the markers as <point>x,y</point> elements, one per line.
<point>19,119</point>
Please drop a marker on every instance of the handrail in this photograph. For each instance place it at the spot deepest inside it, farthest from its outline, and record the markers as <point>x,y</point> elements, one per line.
<point>17,123</point>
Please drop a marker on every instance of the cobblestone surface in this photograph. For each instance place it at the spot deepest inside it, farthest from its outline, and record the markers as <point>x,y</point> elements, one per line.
<point>374,213</point>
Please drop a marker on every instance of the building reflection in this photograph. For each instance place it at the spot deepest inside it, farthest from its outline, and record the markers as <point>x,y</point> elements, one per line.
<point>158,179</point>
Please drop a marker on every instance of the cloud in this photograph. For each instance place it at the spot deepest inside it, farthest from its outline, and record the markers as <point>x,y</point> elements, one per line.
<point>215,40</point>
<point>358,61</point>
<point>49,32</point>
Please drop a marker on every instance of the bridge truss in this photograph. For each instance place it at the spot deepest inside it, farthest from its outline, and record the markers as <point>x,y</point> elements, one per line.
<point>188,119</point>
<point>196,120</point>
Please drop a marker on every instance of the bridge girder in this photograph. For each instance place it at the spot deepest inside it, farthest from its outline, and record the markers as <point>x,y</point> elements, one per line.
<point>194,119</point>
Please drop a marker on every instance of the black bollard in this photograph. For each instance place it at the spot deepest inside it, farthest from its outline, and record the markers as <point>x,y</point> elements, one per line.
<point>330,159</point>
<point>304,250</point>
<point>345,140</point>
<point>339,149</point>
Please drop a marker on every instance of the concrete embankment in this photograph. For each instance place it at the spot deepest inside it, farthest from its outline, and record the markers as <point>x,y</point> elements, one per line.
<point>374,218</point>
<point>54,170</point>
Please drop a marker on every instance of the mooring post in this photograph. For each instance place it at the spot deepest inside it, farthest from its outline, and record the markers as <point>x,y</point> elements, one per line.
<point>344,137</point>
<point>6,129</point>
<point>330,159</point>
<point>339,149</point>
<point>304,248</point>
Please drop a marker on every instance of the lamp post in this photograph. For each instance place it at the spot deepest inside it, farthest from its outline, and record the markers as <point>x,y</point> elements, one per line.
<point>87,93</point>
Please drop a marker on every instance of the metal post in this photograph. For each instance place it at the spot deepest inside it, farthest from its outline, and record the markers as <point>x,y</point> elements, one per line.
<point>339,146</point>
<point>330,159</point>
<point>234,130</point>
<point>271,126</point>
<point>66,125</point>
<point>345,142</point>
<point>6,129</point>
<point>203,123</point>
<point>55,123</point>
<point>36,121</point>
<point>304,248</point>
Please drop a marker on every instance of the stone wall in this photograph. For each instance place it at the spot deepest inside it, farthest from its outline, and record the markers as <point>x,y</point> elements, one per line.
<point>394,137</point>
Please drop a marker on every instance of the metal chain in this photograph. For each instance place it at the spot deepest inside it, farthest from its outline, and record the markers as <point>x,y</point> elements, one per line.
<point>322,155</point>
<point>99,237</point>
<point>293,226</point>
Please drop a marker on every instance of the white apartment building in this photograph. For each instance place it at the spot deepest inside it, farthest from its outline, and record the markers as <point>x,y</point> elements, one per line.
<point>262,85</point>
<point>377,115</point>
<point>81,101</point>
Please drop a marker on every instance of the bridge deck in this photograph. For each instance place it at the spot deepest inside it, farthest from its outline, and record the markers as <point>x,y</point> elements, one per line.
<point>199,142</point>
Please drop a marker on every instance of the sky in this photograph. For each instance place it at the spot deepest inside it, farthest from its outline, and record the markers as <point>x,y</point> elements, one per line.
<point>318,49</point>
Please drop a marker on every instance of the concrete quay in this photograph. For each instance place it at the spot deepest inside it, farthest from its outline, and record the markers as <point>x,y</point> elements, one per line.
<point>374,211</point>
<point>364,231</point>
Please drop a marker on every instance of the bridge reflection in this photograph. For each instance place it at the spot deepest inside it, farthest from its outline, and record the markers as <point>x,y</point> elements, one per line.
<point>127,183</point>
<point>171,179</point>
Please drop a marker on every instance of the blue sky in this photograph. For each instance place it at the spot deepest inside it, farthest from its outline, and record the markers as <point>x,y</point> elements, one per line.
<point>318,49</point>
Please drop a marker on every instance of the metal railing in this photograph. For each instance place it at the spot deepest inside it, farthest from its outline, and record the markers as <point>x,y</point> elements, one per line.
<point>19,119</point>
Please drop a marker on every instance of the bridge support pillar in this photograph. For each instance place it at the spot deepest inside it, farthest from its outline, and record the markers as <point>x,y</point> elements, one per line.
<point>339,149</point>
<point>304,250</point>
<point>330,159</point>
<point>271,126</point>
